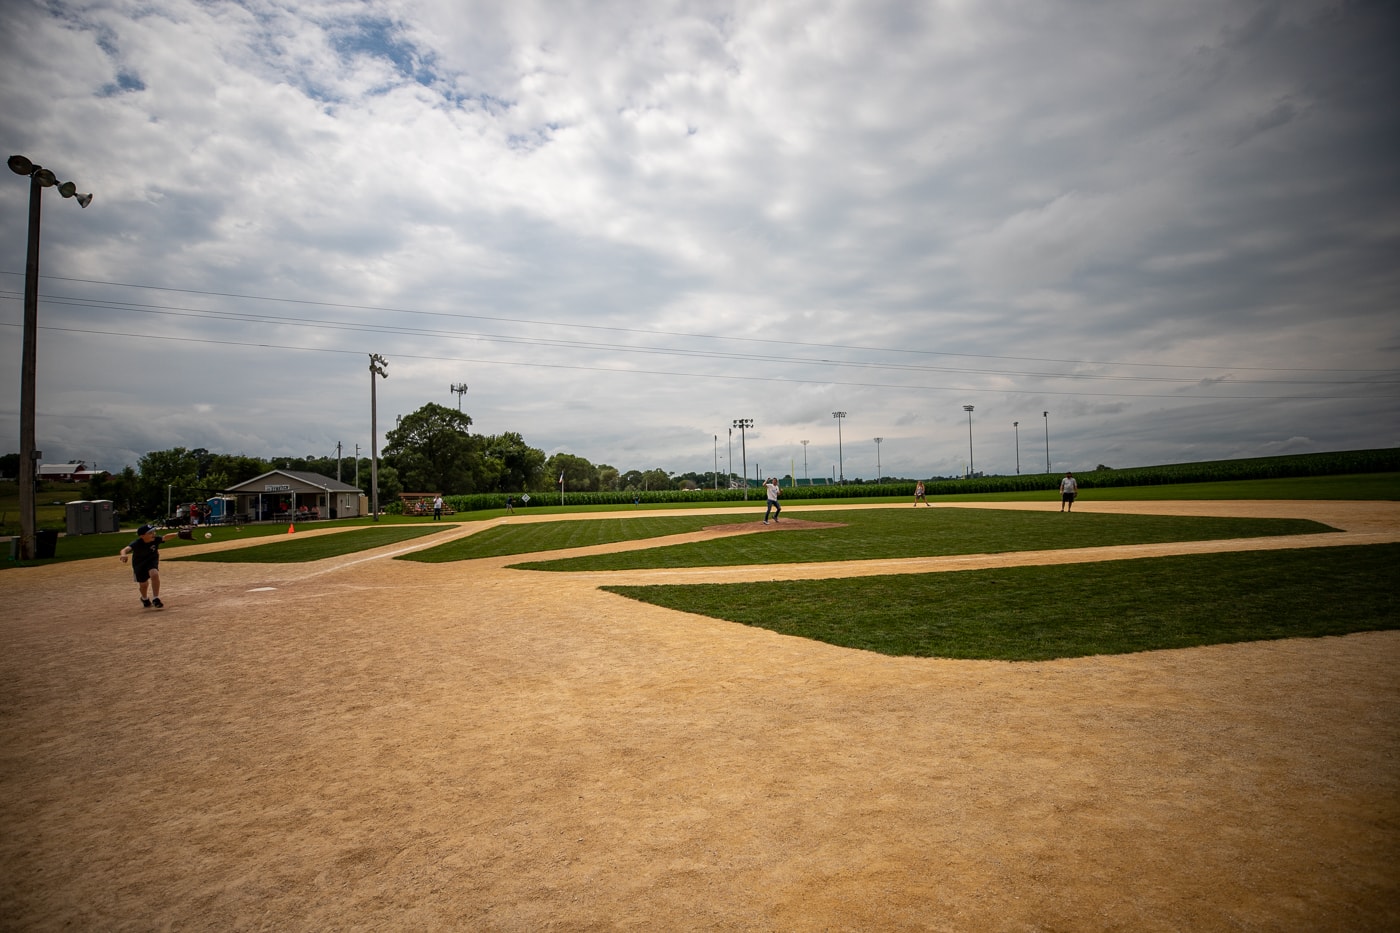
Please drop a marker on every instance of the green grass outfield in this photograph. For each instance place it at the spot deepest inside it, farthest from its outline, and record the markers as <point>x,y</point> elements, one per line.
<point>863,534</point>
<point>1367,486</point>
<point>1042,613</point>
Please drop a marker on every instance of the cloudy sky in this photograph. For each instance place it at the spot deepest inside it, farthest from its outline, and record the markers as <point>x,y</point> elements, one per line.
<point>1173,226</point>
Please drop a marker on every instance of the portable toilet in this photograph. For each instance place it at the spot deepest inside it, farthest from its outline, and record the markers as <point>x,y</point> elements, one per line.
<point>221,510</point>
<point>105,516</point>
<point>81,519</point>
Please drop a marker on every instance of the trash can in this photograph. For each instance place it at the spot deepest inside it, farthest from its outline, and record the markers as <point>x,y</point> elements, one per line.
<point>45,542</point>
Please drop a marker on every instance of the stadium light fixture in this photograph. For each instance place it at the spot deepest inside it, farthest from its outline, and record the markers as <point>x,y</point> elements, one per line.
<point>1047,440</point>
<point>39,179</point>
<point>743,424</point>
<point>377,366</point>
<point>840,457</point>
<point>970,468</point>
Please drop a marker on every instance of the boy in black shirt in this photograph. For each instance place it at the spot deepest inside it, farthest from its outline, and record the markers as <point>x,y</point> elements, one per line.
<point>145,563</point>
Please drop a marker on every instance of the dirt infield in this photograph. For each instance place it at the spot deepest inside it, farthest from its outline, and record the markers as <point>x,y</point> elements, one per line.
<point>368,744</point>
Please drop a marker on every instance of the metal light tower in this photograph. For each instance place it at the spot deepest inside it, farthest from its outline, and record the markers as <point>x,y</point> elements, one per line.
<point>376,369</point>
<point>39,179</point>
<point>1017,426</point>
<point>742,424</point>
<point>716,463</point>
<point>1047,440</point>
<point>807,476</point>
<point>970,468</point>
<point>879,471</point>
<point>838,415</point>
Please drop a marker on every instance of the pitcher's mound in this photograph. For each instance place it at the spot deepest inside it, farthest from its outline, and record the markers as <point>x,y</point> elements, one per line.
<point>786,524</point>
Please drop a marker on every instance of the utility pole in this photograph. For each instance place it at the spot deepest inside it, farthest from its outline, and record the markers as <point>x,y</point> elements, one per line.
<point>970,468</point>
<point>1017,426</point>
<point>879,471</point>
<point>39,179</point>
<point>807,476</point>
<point>1047,440</point>
<point>377,364</point>
<point>742,424</point>
<point>840,457</point>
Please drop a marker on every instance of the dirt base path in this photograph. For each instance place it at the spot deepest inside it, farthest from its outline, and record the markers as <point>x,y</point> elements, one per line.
<point>364,743</point>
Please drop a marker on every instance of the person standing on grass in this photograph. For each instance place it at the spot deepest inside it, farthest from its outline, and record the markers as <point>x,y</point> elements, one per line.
<point>437,509</point>
<point>145,564</point>
<point>771,487</point>
<point>919,494</point>
<point>1069,488</point>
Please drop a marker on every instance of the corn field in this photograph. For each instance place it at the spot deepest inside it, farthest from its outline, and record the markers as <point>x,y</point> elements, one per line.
<point>1324,464</point>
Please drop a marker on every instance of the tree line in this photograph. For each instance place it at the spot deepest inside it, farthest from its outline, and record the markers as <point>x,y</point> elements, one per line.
<point>429,450</point>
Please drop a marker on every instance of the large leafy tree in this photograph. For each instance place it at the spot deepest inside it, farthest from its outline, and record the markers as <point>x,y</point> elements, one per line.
<point>432,451</point>
<point>516,465</point>
<point>578,473</point>
<point>236,468</point>
<point>172,475</point>
<point>121,488</point>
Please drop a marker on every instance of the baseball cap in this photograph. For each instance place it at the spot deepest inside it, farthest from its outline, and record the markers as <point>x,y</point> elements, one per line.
<point>145,530</point>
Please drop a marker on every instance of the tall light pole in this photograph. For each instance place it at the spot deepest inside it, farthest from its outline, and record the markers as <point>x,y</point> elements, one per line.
<point>743,424</point>
<point>1047,440</point>
<point>376,369</point>
<point>970,468</point>
<point>840,460</point>
<point>729,463</point>
<point>879,471</point>
<point>805,474</point>
<point>39,179</point>
<point>1017,426</point>
<point>716,463</point>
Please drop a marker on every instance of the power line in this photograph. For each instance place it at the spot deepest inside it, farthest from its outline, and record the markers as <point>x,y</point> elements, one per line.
<point>666,333</point>
<point>723,376</point>
<point>282,321</point>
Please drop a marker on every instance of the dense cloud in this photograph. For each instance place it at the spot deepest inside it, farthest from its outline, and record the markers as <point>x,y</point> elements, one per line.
<point>1171,226</point>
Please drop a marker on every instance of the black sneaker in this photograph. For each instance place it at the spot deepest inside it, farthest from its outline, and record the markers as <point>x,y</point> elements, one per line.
<point>157,603</point>
<point>145,602</point>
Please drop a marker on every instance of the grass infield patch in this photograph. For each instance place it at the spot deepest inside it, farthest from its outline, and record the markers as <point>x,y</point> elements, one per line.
<point>294,549</point>
<point>867,534</point>
<point>530,537</point>
<point>1043,613</point>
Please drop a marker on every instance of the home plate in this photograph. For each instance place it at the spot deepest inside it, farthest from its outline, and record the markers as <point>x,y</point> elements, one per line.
<point>262,589</point>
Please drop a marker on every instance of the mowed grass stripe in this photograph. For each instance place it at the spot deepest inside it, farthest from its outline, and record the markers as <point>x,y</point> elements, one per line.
<point>1043,613</point>
<point>294,549</point>
<point>531,537</point>
<point>894,533</point>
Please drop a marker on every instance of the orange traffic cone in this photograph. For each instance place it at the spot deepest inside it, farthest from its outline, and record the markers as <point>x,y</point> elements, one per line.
<point>291,529</point>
